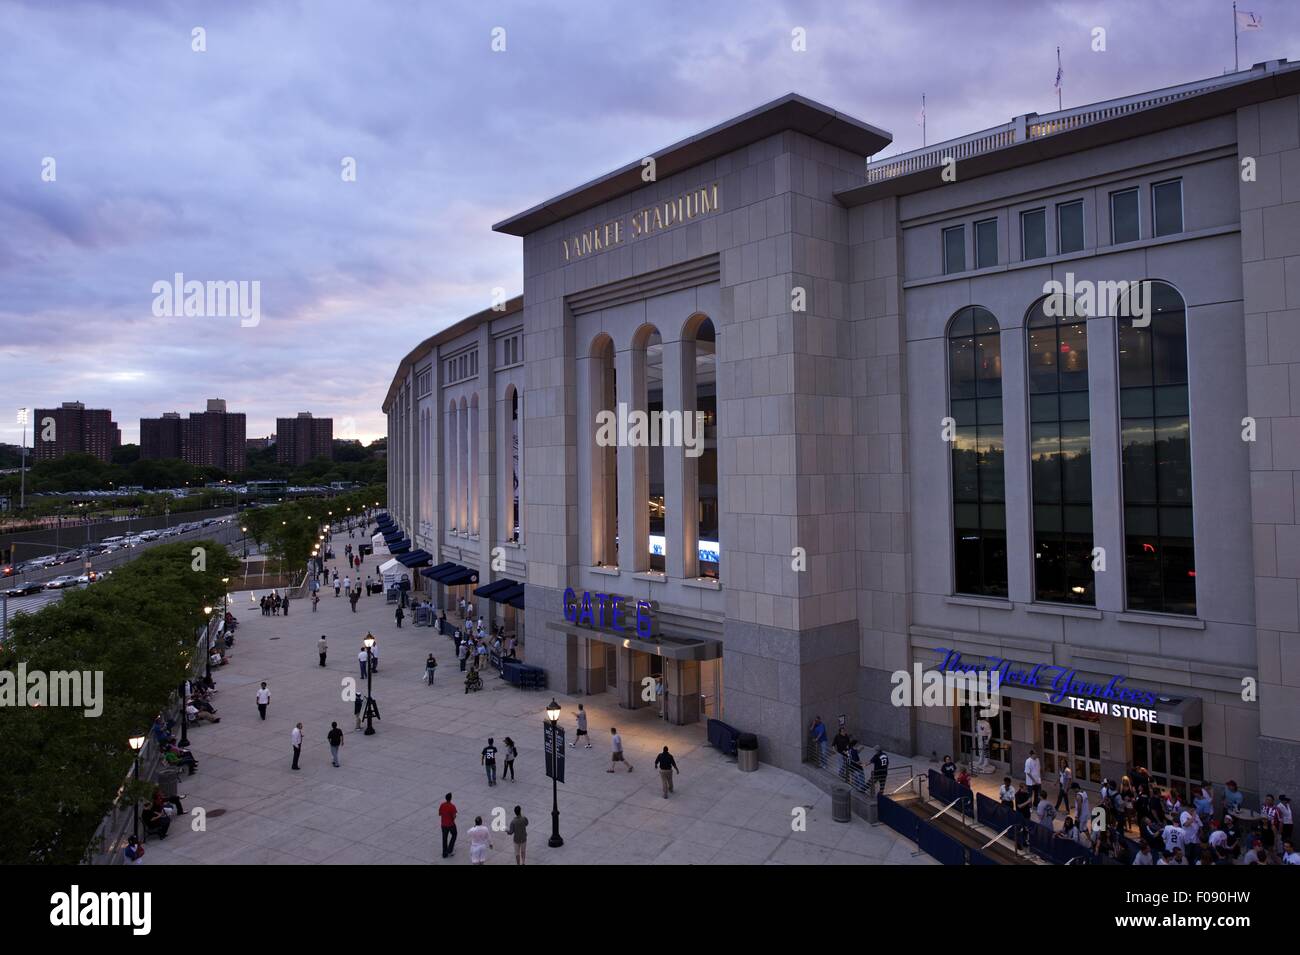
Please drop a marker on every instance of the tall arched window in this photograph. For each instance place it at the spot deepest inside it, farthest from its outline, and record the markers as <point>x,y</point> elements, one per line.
<point>514,447</point>
<point>474,456</point>
<point>451,469</point>
<point>979,500</point>
<point>1060,452</point>
<point>462,466</point>
<point>652,402</point>
<point>700,340</point>
<point>604,471</point>
<point>1160,565</point>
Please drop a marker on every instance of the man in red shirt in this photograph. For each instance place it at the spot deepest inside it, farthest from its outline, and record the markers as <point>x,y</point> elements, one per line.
<point>447,813</point>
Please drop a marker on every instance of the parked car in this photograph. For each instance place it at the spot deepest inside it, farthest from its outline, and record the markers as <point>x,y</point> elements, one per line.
<point>22,590</point>
<point>58,583</point>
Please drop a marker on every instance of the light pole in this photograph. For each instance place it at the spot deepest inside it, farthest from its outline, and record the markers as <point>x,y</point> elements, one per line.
<point>136,743</point>
<point>22,463</point>
<point>244,532</point>
<point>207,646</point>
<point>553,717</point>
<point>369,641</point>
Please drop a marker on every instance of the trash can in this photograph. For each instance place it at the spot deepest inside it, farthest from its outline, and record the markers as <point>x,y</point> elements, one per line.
<point>841,807</point>
<point>872,805</point>
<point>747,752</point>
<point>168,780</point>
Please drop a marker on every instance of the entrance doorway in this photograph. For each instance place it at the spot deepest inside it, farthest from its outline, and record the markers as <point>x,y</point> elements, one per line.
<point>1072,742</point>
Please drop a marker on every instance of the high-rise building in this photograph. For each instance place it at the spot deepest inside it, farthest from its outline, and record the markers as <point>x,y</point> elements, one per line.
<point>215,438</point>
<point>304,438</point>
<point>73,428</point>
<point>162,438</point>
<point>259,444</point>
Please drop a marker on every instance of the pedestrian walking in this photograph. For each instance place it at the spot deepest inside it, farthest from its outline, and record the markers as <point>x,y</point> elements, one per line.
<point>363,659</point>
<point>430,665</point>
<point>401,614</point>
<point>488,758</point>
<point>511,752</point>
<point>354,597</point>
<point>335,738</point>
<point>263,700</point>
<point>661,695</point>
<point>480,841</point>
<point>582,729</point>
<point>616,751</point>
<point>518,828</point>
<point>322,648</point>
<point>347,583</point>
<point>462,650</point>
<point>1064,777</point>
<point>666,765</point>
<point>315,600</point>
<point>337,585</point>
<point>284,604</point>
<point>447,820</point>
<point>296,736</point>
<point>1033,776</point>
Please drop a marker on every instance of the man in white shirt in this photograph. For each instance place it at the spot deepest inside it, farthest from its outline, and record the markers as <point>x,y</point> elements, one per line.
<point>1173,836</point>
<point>1289,855</point>
<point>1007,794</point>
<point>263,700</point>
<point>480,841</point>
<point>1033,776</point>
<point>296,736</point>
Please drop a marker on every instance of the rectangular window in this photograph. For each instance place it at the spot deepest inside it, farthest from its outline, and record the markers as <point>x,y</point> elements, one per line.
<point>1069,227</point>
<point>1167,207</point>
<point>954,250</point>
<point>986,243</point>
<point>1124,226</point>
<point>1033,234</point>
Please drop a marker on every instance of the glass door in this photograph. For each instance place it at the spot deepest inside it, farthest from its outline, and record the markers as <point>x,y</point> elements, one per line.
<point>1075,743</point>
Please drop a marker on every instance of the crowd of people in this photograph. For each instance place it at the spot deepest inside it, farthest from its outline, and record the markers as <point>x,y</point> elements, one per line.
<point>1139,822</point>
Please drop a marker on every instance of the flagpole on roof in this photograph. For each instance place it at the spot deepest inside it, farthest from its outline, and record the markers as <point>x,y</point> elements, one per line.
<point>1236,63</point>
<point>1058,79</point>
<point>923,143</point>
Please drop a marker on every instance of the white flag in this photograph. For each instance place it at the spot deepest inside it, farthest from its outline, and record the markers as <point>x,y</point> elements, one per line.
<point>1249,21</point>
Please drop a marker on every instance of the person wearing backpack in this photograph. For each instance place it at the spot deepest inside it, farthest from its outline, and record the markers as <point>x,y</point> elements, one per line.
<point>511,752</point>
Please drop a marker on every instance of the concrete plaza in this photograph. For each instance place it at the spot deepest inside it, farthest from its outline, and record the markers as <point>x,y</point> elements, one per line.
<point>381,805</point>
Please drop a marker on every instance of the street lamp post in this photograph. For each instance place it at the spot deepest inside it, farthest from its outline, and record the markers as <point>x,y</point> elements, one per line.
<point>553,717</point>
<point>207,647</point>
<point>369,641</point>
<point>136,743</point>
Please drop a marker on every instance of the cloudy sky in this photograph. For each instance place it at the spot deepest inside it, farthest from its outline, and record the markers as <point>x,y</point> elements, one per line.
<point>226,165</point>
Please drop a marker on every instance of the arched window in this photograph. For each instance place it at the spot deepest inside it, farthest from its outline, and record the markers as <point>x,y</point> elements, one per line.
<point>462,467</point>
<point>1060,451</point>
<point>651,400</point>
<point>451,469</point>
<point>700,340</point>
<point>514,447</point>
<point>472,445</point>
<point>604,470</point>
<point>979,500</point>
<point>1160,565</point>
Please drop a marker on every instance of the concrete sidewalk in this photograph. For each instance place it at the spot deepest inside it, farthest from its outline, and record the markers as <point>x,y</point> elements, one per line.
<point>381,805</point>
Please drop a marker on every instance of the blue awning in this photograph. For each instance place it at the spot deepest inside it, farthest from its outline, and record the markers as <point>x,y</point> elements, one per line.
<point>462,575</point>
<point>401,548</point>
<point>490,590</point>
<point>510,595</point>
<point>434,571</point>
<point>415,558</point>
<point>443,571</point>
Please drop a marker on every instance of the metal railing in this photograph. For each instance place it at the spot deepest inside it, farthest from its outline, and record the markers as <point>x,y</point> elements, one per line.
<point>1032,126</point>
<point>110,839</point>
<point>859,777</point>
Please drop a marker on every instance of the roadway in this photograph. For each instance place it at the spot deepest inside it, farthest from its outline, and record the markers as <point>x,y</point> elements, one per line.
<point>227,533</point>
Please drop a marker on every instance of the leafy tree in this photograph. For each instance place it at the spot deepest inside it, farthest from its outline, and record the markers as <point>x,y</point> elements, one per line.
<point>138,628</point>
